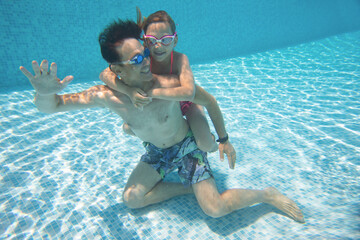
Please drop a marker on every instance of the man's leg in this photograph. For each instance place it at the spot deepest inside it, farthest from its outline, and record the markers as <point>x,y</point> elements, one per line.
<point>218,205</point>
<point>144,187</point>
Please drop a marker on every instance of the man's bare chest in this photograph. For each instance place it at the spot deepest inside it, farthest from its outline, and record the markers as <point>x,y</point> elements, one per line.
<point>155,114</point>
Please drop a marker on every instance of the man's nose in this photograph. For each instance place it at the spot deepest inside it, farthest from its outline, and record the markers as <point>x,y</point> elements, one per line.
<point>146,61</point>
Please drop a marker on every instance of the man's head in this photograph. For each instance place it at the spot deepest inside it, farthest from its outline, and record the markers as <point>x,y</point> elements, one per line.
<point>127,57</point>
<point>113,35</point>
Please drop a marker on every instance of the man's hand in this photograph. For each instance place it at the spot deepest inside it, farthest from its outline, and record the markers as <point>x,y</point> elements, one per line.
<point>139,98</point>
<point>46,82</point>
<point>229,150</point>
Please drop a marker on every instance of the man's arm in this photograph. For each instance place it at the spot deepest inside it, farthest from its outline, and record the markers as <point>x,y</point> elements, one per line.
<point>205,99</point>
<point>68,102</point>
<point>47,85</point>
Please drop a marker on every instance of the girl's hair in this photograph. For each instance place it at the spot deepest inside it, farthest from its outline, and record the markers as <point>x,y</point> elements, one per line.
<point>159,16</point>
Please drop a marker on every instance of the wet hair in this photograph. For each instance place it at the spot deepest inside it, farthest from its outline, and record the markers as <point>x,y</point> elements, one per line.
<point>115,33</point>
<point>159,16</point>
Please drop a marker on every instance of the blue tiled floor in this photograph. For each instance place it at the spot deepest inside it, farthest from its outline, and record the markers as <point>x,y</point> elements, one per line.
<point>292,115</point>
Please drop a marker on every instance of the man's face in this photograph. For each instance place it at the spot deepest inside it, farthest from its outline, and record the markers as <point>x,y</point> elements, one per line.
<point>133,74</point>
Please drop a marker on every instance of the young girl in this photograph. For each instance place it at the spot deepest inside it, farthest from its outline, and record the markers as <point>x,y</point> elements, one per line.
<point>161,38</point>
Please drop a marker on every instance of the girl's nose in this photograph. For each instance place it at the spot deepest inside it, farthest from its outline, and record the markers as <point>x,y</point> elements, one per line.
<point>157,45</point>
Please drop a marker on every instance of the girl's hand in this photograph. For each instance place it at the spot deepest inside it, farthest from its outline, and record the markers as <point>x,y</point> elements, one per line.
<point>139,98</point>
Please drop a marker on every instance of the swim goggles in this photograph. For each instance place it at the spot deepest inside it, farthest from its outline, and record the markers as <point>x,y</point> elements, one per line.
<point>138,59</point>
<point>164,40</point>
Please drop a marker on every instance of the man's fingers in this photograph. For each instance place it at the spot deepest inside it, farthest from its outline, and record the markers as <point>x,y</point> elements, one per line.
<point>44,66</point>
<point>221,154</point>
<point>231,164</point>
<point>141,92</point>
<point>53,69</point>
<point>142,101</point>
<point>232,160</point>
<point>26,73</point>
<point>142,98</point>
<point>36,68</point>
<point>140,107</point>
<point>67,80</point>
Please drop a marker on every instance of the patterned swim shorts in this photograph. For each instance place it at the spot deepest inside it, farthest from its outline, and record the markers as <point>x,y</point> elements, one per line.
<point>191,162</point>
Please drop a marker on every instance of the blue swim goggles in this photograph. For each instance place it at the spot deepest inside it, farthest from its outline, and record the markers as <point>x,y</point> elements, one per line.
<point>138,59</point>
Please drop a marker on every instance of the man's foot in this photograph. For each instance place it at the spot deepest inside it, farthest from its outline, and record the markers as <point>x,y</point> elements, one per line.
<point>283,203</point>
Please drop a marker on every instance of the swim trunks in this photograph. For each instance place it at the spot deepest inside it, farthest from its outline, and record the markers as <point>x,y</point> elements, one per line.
<point>185,105</point>
<point>191,162</point>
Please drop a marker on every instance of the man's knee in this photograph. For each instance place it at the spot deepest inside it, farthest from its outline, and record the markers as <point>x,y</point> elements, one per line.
<point>133,198</point>
<point>213,212</point>
<point>215,206</point>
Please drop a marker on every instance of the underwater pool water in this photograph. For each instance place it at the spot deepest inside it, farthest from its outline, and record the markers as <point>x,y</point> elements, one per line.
<point>292,115</point>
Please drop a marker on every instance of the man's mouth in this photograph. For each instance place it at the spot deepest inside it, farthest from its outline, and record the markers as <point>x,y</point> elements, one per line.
<point>146,71</point>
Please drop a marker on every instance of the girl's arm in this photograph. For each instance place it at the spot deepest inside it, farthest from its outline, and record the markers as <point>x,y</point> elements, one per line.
<point>137,96</point>
<point>186,91</point>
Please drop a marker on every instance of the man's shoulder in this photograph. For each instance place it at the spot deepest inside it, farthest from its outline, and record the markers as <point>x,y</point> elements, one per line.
<point>101,92</point>
<point>99,88</point>
<point>108,96</point>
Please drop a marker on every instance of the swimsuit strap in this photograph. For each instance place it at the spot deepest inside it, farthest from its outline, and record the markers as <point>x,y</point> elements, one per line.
<point>171,62</point>
<point>150,64</point>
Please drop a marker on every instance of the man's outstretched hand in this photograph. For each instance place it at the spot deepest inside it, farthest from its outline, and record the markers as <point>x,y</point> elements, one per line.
<point>45,81</point>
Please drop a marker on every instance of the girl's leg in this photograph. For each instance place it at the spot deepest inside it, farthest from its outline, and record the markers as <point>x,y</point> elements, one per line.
<point>127,129</point>
<point>200,128</point>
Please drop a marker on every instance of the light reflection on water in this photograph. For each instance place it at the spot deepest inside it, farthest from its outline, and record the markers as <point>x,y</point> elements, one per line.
<point>292,114</point>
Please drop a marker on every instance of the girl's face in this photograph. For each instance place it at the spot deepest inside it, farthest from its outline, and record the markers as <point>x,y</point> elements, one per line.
<point>159,51</point>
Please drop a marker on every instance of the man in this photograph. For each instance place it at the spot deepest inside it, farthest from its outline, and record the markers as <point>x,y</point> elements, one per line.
<point>167,138</point>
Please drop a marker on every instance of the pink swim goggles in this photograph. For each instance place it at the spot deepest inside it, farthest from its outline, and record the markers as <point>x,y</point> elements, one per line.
<point>164,40</point>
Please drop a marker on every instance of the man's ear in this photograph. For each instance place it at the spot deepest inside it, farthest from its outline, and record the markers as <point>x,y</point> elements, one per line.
<point>116,71</point>
<point>121,74</point>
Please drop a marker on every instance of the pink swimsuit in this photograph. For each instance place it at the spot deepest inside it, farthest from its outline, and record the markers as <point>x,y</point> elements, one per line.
<point>185,105</point>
